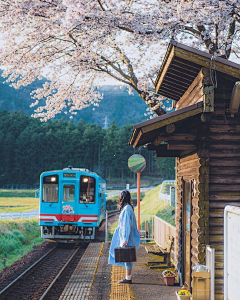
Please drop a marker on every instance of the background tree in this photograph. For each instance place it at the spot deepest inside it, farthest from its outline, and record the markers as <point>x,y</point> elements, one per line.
<point>77,43</point>
<point>29,147</point>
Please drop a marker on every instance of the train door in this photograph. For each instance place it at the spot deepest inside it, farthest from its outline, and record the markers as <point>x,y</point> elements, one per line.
<point>68,208</point>
<point>87,199</point>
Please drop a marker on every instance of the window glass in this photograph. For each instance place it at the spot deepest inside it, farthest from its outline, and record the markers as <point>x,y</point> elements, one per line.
<point>87,189</point>
<point>68,193</point>
<point>50,193</point>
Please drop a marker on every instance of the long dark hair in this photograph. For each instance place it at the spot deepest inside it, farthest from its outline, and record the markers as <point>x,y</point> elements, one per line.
<point>124,199</point>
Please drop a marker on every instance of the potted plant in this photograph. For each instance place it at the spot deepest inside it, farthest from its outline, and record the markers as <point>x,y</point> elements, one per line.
<point>183,295</point>
<point>169,277</point>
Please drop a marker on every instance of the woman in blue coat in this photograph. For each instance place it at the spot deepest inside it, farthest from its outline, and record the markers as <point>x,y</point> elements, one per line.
<point>126,233</point>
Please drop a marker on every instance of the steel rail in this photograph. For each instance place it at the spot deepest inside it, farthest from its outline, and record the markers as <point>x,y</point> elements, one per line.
<point>58,275</point>
<point>112,212</point>
<point>2,292</point>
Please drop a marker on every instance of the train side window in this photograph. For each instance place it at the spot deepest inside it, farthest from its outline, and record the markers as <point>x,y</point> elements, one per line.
<point>87,189</point>
<point>68,193</point>
<point>50,189</point>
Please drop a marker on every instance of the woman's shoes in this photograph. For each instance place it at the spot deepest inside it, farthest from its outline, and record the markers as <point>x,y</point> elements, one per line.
<point>125,281</point>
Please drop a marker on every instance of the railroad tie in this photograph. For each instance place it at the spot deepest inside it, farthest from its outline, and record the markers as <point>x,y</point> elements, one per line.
<point>80,283</point>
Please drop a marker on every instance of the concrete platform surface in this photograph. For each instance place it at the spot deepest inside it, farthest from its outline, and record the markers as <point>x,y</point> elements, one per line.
<point>147,283</point>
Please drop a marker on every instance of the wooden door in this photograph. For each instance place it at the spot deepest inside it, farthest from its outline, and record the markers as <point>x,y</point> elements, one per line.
<point>187,213</point>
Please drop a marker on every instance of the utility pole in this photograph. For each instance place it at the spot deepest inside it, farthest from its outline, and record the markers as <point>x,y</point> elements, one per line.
<point>105,123</point>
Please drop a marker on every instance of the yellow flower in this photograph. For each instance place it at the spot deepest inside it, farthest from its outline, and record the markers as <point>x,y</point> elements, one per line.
<point>184,292</point>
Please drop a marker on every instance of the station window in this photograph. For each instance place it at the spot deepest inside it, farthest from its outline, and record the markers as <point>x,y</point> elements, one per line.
<point>68,193</point>
<point>87,189</point>
<point>50,189</point>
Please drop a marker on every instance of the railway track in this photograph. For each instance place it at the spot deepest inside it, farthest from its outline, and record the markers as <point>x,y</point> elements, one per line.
<point>47,277</point>
<point>39,279</point>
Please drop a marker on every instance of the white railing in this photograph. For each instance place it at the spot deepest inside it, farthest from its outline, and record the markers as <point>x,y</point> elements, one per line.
<point>165,182</point>
<point>20,215</point>
<point>161,231</point>
<point>163,196</point>
<point>146,228</point>
<point>130,190</point>
<point>156,229</point>
<point>210,263</point>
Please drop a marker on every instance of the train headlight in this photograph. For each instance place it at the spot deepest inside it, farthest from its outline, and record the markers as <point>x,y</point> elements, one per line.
<point>85,179</point>
<point>53,179</point>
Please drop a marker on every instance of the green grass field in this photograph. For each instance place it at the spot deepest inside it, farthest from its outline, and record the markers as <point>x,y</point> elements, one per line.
<point>16,236</point>
<point>17,193</point>
<point>17,204</point>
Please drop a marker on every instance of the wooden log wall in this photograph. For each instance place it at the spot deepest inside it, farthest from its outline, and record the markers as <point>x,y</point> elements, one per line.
<point>196,169</point>
<point>201,89</point>
<point>224,171</point>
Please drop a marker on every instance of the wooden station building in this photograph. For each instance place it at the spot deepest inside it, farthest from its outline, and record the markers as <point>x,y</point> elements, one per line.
<point>203,133</point>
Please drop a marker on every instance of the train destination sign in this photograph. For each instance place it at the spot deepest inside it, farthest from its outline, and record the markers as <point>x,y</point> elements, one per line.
<point>69,174</point>
<point>136,163</point>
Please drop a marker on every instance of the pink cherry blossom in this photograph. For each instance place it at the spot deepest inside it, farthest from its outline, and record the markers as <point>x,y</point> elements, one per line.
<point>76,44</point>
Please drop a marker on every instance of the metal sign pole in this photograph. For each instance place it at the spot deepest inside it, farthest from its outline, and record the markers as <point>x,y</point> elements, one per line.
<point>106,228</point>
<point>137,163</point>
<point>138,199</point>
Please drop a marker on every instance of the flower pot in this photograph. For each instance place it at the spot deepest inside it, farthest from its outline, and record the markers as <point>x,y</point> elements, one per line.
<point>183,297</point>
<point>169,280</point>
<point>168,277</point>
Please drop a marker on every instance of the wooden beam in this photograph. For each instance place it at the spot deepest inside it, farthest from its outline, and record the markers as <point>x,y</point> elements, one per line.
<point>152,147</point>
<point>176,82</point>
<point>169,58</point>
<point>187,64</point>
<point>171,89</point>
<point>201,89</point>
<point>159,139</point>
<point>184,137</point>
<point>174,75</point>
<point>186,113</point>
<point>137,139</point>
<point>183,74</point>
<point>161,151</point>
<point>168,153</point>
<point>178,88</point>
<point>197,82</point>
<point>206,62</point>
<point>182,146</point>
<point>186,69</point>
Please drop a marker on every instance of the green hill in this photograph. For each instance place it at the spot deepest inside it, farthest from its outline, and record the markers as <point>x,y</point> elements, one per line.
<point>117,105</point>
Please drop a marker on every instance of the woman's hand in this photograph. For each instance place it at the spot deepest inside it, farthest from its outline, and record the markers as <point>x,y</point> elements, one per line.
<point>125,243</point>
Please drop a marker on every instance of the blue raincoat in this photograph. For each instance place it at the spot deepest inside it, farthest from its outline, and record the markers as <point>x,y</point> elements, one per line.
<point>125,231</point>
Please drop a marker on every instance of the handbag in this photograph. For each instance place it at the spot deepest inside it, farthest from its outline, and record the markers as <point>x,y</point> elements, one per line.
<point>125,254</point>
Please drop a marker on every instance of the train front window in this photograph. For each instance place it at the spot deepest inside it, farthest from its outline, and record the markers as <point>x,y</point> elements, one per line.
<point>68,193</point>
<point>50,189</point>
<point>87,189</point>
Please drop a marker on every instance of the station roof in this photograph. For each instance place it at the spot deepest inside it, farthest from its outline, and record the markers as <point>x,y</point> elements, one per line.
<point>182,64</point>
<point>145,132</point>
<point>180,67</point>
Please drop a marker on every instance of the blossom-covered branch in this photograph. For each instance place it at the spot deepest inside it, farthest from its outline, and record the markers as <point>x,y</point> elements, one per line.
<point>77,44</point>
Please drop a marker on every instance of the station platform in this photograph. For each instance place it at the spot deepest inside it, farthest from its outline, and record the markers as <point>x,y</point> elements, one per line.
<point>95,279</point>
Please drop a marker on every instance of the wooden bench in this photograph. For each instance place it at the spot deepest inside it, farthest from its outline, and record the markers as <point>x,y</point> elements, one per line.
<point>165,252</point>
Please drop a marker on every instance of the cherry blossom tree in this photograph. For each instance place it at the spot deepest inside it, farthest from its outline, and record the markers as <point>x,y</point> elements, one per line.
<point>76,44</point>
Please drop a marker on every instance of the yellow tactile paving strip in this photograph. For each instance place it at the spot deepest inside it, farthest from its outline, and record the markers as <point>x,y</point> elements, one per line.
<point>80,283</point>
<point>119,291</point>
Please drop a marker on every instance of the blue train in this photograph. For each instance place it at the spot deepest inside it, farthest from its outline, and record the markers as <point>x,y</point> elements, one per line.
<point>72,204</point>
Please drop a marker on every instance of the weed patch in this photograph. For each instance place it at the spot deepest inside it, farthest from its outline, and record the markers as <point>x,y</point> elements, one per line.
<point>17,236</point>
